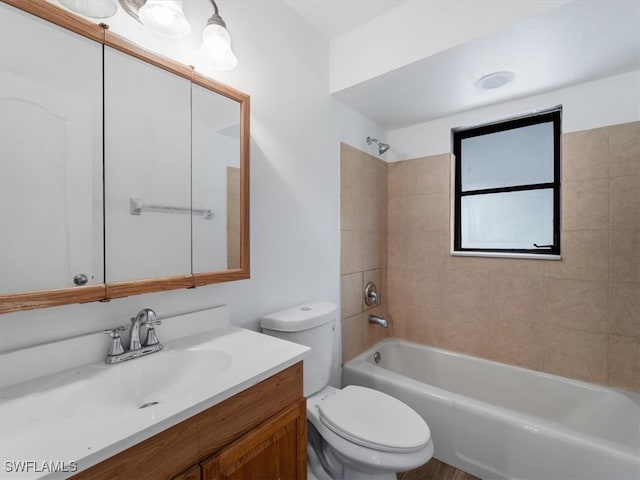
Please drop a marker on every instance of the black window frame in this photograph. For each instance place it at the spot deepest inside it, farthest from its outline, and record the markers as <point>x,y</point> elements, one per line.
<point>458,135</point>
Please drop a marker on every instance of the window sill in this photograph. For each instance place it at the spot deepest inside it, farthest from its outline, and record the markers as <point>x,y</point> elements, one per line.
<point>526,256</point>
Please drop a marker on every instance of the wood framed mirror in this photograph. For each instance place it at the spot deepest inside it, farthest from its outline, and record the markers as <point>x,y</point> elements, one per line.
<point>123,172</point>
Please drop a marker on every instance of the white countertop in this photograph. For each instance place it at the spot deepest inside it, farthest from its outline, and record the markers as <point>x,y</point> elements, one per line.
<point>30,431</point>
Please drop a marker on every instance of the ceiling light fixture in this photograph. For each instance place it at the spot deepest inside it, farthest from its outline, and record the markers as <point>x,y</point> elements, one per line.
<point>216,43</point>
<point>495,80</point>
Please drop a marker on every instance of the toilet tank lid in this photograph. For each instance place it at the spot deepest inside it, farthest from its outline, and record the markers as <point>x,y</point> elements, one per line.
<point>302,317</point>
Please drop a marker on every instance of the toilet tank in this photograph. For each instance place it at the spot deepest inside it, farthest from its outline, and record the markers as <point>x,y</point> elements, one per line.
<point>311,324</point>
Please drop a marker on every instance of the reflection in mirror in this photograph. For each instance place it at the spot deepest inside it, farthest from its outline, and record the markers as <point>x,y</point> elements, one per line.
<point>147,160</point>
<point>51,156</point>
<point>233,218</point>
<point>216,180</point>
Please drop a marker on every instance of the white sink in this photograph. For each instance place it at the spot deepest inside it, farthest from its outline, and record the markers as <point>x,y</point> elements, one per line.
<point>142,383</point>
<point>88,411</point>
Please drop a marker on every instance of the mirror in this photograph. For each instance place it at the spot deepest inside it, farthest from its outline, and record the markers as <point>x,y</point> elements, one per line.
<point>50,156</point>
<point>216,181</point>
<point>176,166</point>
<point>147,113</point>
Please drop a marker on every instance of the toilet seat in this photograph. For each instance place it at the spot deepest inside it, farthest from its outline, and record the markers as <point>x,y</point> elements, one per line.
<point>374,420</point>
<point>355,457</point>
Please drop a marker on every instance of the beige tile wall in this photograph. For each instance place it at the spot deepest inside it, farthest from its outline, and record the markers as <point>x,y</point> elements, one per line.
<point>363,219</point>
<point>579,317</point>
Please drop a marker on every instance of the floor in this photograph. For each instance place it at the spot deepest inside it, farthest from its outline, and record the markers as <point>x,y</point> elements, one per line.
<point>436,470</point>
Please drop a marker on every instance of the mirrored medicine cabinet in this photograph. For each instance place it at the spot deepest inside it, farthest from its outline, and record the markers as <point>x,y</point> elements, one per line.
<point>121,172</point>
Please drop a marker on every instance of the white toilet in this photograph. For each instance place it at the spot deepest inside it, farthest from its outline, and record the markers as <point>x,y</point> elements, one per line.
<point>355,433</point>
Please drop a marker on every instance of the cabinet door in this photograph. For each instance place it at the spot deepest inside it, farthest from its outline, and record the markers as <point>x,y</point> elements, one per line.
<point>147,170</point>
<point>274,450</point>
<point>50,156</point>
<point>216,138</point>
<point>160,457</point>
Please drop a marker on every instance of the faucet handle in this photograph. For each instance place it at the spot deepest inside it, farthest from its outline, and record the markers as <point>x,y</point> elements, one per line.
<point>115,332</point>
<point>152,338</point>
<point>370,294</point>
<point>116,342</point>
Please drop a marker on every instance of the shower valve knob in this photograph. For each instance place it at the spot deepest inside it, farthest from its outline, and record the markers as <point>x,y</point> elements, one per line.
<point>370,294</point>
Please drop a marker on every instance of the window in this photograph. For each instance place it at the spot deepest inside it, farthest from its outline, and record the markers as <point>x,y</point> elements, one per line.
<point>507,187</point>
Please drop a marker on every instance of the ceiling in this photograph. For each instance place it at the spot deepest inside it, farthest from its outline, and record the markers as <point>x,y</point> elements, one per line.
<point>577,42</point>
<point>332,18</point>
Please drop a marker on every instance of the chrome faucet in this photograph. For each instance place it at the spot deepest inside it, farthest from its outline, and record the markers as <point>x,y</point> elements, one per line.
<point>375,319</point>
<point>145,318</point>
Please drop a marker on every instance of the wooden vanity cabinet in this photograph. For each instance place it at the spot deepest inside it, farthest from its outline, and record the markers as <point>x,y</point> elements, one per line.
<point>194,473</point>
<point>260,433</point>
<point>271,451</point>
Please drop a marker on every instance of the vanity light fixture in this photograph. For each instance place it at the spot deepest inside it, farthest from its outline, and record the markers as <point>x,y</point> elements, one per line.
<point>92,8</point>
<point>216,43</point>
<point>165,18</point>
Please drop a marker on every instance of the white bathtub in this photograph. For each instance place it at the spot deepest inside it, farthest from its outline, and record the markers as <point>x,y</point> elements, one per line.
<point>502,422</point>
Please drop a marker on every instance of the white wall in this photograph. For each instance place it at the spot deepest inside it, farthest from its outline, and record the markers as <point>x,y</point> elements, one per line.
<point>296,128</point>
<point>608,101</point>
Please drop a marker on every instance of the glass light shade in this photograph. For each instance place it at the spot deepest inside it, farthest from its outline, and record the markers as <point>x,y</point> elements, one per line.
<point>216,48</point>
<point>165,18</point>
<point>92,8</point>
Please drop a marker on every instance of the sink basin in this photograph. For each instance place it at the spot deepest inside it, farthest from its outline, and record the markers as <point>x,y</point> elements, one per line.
<point>139,384</point>
<point>60,401</point>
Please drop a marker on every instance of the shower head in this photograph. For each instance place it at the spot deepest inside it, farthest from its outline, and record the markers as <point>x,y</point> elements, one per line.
<point>382,147</point>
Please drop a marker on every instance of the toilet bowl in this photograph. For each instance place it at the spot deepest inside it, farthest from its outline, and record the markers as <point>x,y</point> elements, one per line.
<point>367,434</point>
<point>354,433</point>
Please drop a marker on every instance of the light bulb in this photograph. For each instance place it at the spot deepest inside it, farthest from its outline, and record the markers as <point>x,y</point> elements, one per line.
<point>92,8</point>
<point>216,48</point>
<point>165,18</point>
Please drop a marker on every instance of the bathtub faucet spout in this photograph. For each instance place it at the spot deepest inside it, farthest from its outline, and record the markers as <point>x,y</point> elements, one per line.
<point>378,321</point>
